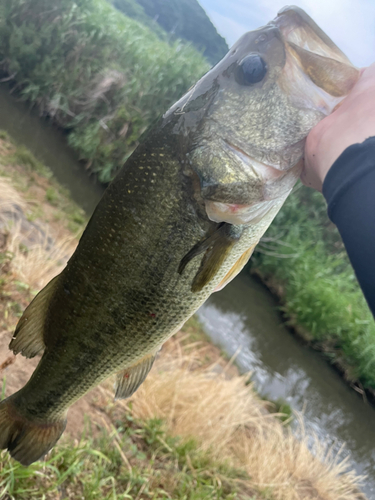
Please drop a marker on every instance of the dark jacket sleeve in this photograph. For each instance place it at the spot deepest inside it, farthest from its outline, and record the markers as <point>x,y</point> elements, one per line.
<point>349,189</point>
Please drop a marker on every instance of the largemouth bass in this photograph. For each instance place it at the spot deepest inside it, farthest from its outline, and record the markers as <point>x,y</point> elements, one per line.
<point>178,222</point>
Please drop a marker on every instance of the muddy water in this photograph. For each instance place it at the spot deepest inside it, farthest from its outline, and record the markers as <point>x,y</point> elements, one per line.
<point>243,315</point>
<point>49,146</point>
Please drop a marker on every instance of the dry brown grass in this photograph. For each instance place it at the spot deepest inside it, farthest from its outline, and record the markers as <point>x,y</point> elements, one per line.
<point>38,263</point>
<point>35,255</point>
<point>227,418</point>
<point>9,197</point>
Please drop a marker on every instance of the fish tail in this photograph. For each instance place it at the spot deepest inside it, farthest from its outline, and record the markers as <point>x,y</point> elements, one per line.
<point>26,440</point>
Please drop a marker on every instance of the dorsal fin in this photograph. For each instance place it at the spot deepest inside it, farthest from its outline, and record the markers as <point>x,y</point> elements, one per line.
<point>28,336</point>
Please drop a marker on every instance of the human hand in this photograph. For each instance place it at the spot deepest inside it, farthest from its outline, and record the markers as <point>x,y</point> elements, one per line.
<point>352,122</point>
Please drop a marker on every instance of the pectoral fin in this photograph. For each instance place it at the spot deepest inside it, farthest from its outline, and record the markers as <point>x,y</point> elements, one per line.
<point>128,380</point>
<point>211,263</point>
<point>28,337</point>
<point>216,247</point>
<point>236,269</point>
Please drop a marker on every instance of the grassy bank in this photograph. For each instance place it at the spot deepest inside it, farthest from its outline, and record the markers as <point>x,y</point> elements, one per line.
<point>132,459</point>
<point>303,260</point>
<point>98,74</point>
<point>194,430</point>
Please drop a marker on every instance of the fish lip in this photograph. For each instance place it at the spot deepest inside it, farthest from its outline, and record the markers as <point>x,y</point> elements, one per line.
<point>238,214</point>
<point>317,75</point>
<point>260,170</point>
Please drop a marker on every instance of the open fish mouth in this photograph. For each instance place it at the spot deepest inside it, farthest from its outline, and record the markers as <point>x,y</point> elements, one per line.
<point>298,28</point>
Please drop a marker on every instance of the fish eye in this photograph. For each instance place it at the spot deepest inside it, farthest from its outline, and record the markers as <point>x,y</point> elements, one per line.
<point>252,69</point>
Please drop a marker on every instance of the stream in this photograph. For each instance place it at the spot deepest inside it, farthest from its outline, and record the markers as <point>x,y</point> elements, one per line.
<point>242,318</point>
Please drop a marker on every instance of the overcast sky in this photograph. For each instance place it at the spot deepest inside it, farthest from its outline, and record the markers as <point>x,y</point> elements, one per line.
<point>350,23</point>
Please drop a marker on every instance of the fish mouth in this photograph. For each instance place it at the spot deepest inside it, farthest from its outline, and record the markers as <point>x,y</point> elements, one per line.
<point>262,171</point>
<point>274,190</point>
<point>314,64</point>
<point>238,214</point>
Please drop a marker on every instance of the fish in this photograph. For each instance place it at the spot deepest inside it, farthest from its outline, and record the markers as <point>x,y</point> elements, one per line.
<point>179,221</point>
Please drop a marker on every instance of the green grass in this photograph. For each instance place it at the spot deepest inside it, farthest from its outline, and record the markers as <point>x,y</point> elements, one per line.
<point>23,156</point>
<point>319,290</point>
<point>52,196</point>
<point>101,76</point>
<point>4,135</point>
<point>155,466</point>
<point>55,194</point>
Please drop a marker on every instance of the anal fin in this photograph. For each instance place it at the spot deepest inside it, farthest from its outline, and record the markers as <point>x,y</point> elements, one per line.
<point>28,336</point>
<point>129,379</point>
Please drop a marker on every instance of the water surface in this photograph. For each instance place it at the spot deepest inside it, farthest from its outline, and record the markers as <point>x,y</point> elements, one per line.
<point>49,146</point>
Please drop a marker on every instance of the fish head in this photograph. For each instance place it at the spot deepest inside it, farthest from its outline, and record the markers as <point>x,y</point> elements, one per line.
<point>245,122</point>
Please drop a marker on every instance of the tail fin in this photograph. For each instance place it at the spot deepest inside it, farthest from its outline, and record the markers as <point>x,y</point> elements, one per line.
<point>26,440</point>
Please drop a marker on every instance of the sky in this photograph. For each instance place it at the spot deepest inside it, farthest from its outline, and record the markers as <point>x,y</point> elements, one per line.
<point>350,23</point>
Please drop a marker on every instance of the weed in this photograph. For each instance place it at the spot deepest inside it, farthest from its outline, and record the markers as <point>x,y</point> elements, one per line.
<point>100,75</point>
<point>319,290</point>
<point>135,459</point>
<point>51,196</point>
<point>23,156</point>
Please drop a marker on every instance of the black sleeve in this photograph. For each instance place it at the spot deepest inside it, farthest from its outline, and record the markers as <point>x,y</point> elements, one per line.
<point>349,189</point>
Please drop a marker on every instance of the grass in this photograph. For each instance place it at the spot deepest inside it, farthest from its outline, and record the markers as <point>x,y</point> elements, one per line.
<point>101,76</point>
<point>229,421</point>
<point>23,156</point>
<point>317,286</point>
<point>28,172</point>
<point>129,460</point>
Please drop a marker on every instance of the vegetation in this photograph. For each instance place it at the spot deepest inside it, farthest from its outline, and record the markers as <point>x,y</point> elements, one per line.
<point>101,76</point>
<point>191,431</point>
<point>303,259</point>
<point>184,19</point>
<point>133,9</point>
<point>134,459</point>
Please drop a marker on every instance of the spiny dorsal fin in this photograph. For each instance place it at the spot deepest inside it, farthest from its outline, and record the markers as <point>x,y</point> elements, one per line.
<point>129,379</point>
<point>28,337</point>
<point>236,269</point>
